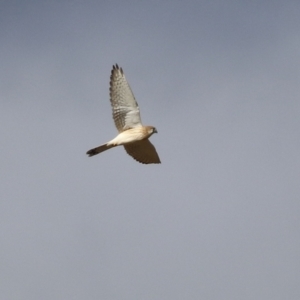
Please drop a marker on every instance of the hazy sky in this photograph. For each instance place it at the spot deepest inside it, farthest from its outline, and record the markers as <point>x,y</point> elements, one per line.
<point>218,219</point>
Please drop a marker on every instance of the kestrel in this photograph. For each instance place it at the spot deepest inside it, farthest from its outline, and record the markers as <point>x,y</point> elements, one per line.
<point>126,114</point>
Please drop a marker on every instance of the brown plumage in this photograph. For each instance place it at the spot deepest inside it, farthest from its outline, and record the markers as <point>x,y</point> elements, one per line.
<point>99,149</point>
<point>132,134</point>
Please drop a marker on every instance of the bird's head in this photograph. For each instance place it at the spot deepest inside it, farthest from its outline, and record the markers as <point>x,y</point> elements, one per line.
<point>151,130</point>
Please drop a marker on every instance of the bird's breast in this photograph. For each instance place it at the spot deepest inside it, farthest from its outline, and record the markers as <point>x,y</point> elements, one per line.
<point>130,135</point>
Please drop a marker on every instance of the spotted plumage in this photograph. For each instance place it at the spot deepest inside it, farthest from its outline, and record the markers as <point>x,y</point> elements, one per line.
<point>132,134</point>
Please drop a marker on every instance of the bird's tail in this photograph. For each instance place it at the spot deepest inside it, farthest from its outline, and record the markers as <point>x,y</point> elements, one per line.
<point>99,149</point>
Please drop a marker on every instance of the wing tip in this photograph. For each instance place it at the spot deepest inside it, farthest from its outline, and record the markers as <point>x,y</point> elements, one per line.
<point>147,162</point>
<point>116,67</point>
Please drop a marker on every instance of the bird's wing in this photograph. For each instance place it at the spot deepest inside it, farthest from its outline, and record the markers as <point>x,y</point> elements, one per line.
<point>143,151</point>
<point>126,112</point>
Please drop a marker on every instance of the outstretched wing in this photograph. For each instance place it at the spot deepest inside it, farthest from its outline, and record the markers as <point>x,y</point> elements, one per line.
<point>143,151</point>
<point>126,112</point>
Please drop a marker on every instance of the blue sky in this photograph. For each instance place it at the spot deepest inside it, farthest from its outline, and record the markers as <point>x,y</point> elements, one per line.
<point>218,219</point>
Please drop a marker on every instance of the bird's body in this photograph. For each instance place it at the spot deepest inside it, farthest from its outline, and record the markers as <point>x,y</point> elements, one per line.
<point>132,134</point>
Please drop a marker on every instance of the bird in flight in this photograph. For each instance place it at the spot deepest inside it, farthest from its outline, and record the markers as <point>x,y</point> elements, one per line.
<point>126,114</point>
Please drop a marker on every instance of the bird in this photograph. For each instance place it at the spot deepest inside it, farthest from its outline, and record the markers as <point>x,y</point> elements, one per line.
<point>133,136</point>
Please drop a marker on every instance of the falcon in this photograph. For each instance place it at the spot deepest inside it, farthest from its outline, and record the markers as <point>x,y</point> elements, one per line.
<point>126,114</point>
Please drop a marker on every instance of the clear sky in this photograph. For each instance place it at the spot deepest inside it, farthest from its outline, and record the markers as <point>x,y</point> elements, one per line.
<point>218,219</point>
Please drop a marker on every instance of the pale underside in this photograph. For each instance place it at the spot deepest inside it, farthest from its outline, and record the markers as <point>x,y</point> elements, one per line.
<point>132,134</point>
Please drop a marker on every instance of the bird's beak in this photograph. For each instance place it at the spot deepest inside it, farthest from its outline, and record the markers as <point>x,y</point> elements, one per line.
<point>155,131</point>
